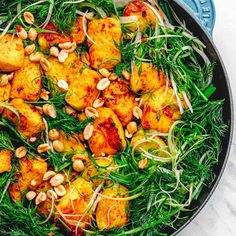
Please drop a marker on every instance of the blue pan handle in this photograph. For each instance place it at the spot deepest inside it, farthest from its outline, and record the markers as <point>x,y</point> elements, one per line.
<point>204,10</point>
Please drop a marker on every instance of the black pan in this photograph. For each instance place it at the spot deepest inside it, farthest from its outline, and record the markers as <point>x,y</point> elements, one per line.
<point>221,81</point>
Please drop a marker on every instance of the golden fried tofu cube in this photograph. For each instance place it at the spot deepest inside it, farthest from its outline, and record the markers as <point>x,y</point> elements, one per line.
<point>145,16</point>
<point>73,207</point>
<point>103,52</point>
<point>12,53</point>
<point>66,71</point>
<point>105,56</point>
<point>113,213</point>
<point>5,161</point>
<point>83,91</point>
<point>72,143</point>
<point>27,82</point>
<point>160,110</point>
<point>4,95</point>
<point>46,40</point>
<point>146,78</point>
<point>30,169</point>
<point>103,166</point>
<point>108,134</point>
<point>104,29</point>
<point>121,100</point>
<point>151,144</point>
<point>31,121</point>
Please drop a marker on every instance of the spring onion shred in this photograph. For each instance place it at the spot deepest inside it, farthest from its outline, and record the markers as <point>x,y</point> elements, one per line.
<point>156,13</point>
<point>108,215</point>
<point>5,190</point>
<point>18,7</point>
<point>51,211</point>
<point>85,30</point>
<point>17,15</point>
<point>196,40</point>
<point>93,198</point>
<point>128,19</point>
<point>50,10</point>
<point>188,103</point>
<point>121,3</point>
<point>72,2</point>
<point>12,109</point>
<point>176,93</point>
<point>203,55</point>
<point>171,145</point>
<point>121,198</point>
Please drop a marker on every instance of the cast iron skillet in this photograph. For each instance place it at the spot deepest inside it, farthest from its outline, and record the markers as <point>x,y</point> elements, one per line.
<point>221,81</point>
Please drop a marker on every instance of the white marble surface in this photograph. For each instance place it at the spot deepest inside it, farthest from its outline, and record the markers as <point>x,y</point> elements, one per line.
<point>218,217</point>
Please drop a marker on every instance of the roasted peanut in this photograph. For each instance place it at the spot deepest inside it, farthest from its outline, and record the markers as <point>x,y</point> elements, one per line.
<point>45,64</point>
<point>21,33</point>
<point>48,175</point>
<point>43,148</point>
<point>31,195</point>
<point>103,84</point>
<point>49,110</point>
<point>143,163</point>
<point>63,84</point>
<point>91,112</point>
<point>29,49</point>
<point>20,152</point>
<point>57,180</point>
<point>29,17</point>
<point>53,134</point>
<point>62,56</point>
<point>40,198</point>
<point>32,34</point>
<point>60,190</point>
<point>78,165</point>
<point>78,156</point>
<point>132,127</point>
<point>58,146</point>
<point>137,112</point>
<point>88,132</point>
<point>54,51</point>
<point>99,102</point>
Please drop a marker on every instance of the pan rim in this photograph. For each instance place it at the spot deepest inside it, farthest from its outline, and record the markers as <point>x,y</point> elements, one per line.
<point>231,123</point>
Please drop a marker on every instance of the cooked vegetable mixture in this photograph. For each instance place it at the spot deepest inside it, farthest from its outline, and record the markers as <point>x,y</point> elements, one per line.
<point>108,125</point>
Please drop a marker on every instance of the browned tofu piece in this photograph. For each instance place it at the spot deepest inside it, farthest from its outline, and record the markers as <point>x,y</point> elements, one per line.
<point>103,166</point>
<point>160,110</point>
<point>73,207</point>
<point>146,17</point>
<point>4,95</point>
<point>72,143</point>
<point>103,51</point>
<point>27,82</point>
<point>83,91</point>
<point>5,161</point>
<point>108,134</point>
<point>46,40</point>
<point>66,71</point>
<point>31,121</point>
<point>146,78</point>
<point>121,100</point>
<point>105,56</point>
<point>113,213</point>
<point>30,169</point>
<point>12,53</point>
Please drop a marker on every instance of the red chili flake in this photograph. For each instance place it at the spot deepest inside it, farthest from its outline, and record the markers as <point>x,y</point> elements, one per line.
<point>18,28</point>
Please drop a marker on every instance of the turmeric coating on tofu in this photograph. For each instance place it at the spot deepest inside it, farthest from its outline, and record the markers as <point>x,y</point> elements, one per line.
<point>94,104</point>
